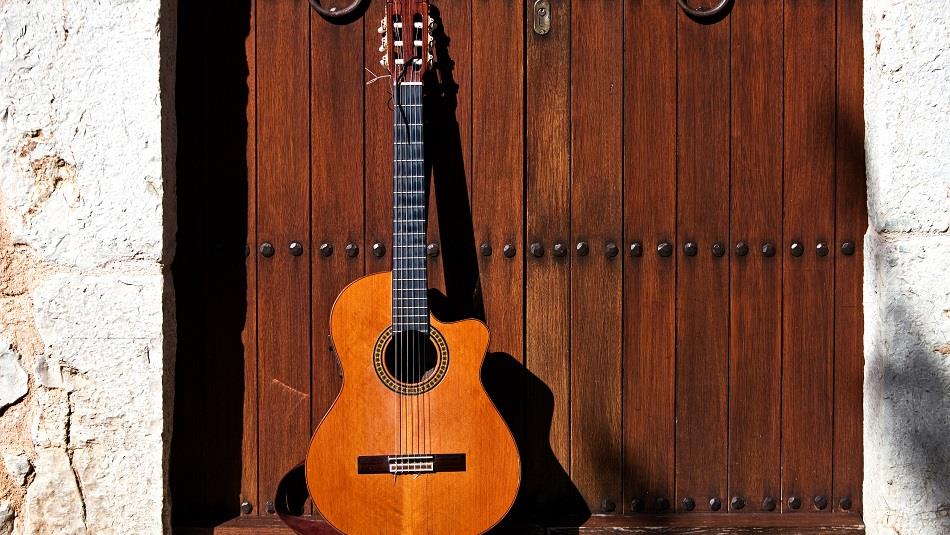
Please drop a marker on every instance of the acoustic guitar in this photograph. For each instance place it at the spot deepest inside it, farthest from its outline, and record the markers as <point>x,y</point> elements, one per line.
<point>412,444</point>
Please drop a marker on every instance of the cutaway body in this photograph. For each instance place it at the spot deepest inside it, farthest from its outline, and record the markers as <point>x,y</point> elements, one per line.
<point>457,463</point>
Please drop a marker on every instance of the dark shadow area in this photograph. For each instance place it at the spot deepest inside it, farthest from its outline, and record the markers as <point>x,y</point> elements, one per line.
<point>209,269</point>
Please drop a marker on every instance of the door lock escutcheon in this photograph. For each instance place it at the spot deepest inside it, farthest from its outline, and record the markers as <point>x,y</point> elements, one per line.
<point>542,17</point>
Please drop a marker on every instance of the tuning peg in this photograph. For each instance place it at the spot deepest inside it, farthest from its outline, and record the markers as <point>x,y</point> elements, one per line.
<point>384,61</point>
<point>430,59</point>
<point>432,25</point>
<point>382,26</point>
<point>382,44</point>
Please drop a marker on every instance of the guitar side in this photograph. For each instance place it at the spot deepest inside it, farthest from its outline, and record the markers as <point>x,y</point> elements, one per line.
<point>370,420</point>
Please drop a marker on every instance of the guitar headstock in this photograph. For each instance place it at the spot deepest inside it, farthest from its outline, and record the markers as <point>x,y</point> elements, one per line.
<point>406,40</point>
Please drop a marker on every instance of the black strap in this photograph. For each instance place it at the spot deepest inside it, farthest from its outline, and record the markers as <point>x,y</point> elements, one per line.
<point>289,503</point>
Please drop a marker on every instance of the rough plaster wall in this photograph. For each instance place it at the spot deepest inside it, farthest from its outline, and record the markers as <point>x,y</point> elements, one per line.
<point>907,258</point>
<point>86,154</point>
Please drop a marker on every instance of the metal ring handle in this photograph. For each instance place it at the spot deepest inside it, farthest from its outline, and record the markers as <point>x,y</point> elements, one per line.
<point>701,13</point>
<point>334,13</point>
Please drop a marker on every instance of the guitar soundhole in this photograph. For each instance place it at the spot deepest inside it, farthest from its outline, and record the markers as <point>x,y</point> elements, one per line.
<point>411,357</point>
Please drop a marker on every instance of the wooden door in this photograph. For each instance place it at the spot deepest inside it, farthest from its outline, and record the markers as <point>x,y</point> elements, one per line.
<point>659,216</point>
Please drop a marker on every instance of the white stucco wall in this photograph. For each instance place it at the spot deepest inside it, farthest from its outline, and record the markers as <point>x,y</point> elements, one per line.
<point>907,259</point>
<point>86,191</point>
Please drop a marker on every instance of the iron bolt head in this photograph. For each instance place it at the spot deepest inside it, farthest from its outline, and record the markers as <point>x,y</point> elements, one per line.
<point>636,249</point>
<point>583,248</point>
<point>690,248</point>
<point>607,506</point>
<point>509,250</point>
<point>326,249</point>
<point>379,250</point>
<point>768,250</point>
<point>636,505</point>
<point>689,504</point>
<point>662,504</point>
<point>246,507</point>
<point>797,249</point>
<point>560,249</point>
<point>351,250</point>
<point>845,503</point>
<point>664,249</point>
<point>738,502</point>
<point>795,502</point>
<point>742,248</point>
<point>247,250</point>
<point>820,502</point>
<point>432,250</point>
<point>537,250</point>
<point>718,250</point>
<point>822,249</point>
<point>715,504</point>
<point>269,507</point>
<point>769,503</point>
<point>296,248</point>
<point>267,249</point>
<point>847,248</point>
<point>485,249</point>
<point>611,250</point>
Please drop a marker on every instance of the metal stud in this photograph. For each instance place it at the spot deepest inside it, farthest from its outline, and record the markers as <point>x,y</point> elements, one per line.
<point>690,248</point>
<point>636,249</point>
<point>537,250</point>
<point>611,250</point>
<point>296,248</point>
<point>351,250</point>
<point>636,505</point>
<point>768,250</point>
<point>432,250</point>
<point>509,250</point>
<point>742,248</point>
<point>822,249</point>
<point>267,249</point>
<point>326,249</point>
<point>664,249</point>
<point>582,248</point>
<point>560,249</point>
<point>847,248</point>
<point>485,249</point>
<point>820,502</point>
<point>769,503</point>
<point>688,504</point>
<point>718,250</point>
<point>845,503</point>
<point>607,506</point>
<point>269,507</point>
<point>795,502</point>
<point>715,504</point>
<point>661,503</point>
<point>738,502</point>
<point>379,250</point>
<point>247,250</point>
<point>246,507</point>
<point>797,249</point>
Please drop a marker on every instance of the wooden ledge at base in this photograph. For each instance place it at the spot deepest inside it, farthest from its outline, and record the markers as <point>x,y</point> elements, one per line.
<point>692,524</point>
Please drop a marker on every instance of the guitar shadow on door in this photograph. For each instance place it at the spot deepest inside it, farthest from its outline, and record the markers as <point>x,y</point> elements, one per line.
<point>547,496</point>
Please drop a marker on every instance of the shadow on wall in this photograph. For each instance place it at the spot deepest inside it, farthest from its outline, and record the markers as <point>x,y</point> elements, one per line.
<point>209,268</point>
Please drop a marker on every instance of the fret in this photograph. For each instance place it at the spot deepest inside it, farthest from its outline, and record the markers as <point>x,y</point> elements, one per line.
<point>408,161</point>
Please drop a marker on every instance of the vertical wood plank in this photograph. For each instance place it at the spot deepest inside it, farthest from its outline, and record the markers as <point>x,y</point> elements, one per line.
<point>547,278</point>
<point>596,189</point>
<point>702,295</point>
<point>282,216</point>
<point>809,279</point>
<point>851,223</point>
<point>378,149</point>
<point>755,362</point>
<point>649,280</point>
<point>336,90</point>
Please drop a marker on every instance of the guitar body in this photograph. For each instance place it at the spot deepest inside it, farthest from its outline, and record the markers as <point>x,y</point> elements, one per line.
<point>476,471</point>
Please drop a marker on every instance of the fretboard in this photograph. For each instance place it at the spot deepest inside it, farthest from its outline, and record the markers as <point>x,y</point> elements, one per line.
<point>410,285</point>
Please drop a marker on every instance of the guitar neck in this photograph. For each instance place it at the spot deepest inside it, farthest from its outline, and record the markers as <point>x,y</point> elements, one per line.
<point>410,284</point>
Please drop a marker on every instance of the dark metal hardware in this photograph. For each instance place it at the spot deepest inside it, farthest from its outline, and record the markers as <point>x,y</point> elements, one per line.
<point>718,250</point>
<point>742,248</point>
<point>662,504</point>
<point>509,250</point>
<point>845,503</point>
<point>689,504</point>
<point>847,248</point>
<point>583,248</point>
<point>485,249</point>
<point>267,249</point>
<point>247,250</point>
<point>797,249</point>
<point>822,249</point>
<point>795,502</point>
<point>432,250</point>
<point>738,502</point>
<point>335,14</point>
<point>296,248</point>
<point>542,17</point>
<point>715,504</point>
<point>820,502</point>
<point>664,249</point>
<point>702,12</point>
<point>537,250</point>
<point>769,503</point>
<point>607,506</point>
<point>351,250</point>
<point>636,505</point>
<point>269,507</point>
<point>560,249</point>
<point>246,507</point>
<point>636,249</point>
<point>690,248</point>
<point>768,250</point>
<point>326,249</point>
<point>379,250</point>
<point>611,250</point>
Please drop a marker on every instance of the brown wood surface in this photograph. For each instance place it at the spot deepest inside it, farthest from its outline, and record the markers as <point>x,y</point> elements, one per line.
<point>649,280</point>
<point>807,402</point>
<point>702,281</point>
<point>755,349</point>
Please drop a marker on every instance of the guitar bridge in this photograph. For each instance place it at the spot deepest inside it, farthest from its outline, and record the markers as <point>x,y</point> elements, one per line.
<point>410,464</point>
